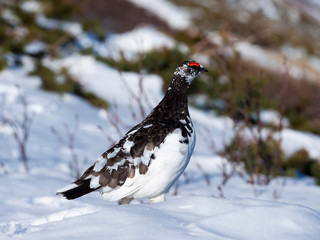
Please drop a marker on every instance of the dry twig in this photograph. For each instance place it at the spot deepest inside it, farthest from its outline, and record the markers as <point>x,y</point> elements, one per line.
<point>20,126</point>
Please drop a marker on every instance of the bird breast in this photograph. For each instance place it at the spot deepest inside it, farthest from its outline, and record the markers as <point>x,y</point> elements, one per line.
<point>171,159</point>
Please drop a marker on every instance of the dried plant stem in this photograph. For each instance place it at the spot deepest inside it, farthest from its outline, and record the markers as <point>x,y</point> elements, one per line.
<point>20,126</point>
<point>69,142</point>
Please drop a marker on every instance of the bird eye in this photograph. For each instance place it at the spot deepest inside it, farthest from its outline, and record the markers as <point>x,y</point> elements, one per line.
<point>194,64</point>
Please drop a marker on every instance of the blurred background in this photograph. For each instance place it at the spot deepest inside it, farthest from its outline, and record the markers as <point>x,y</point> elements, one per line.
<point>263,59</point>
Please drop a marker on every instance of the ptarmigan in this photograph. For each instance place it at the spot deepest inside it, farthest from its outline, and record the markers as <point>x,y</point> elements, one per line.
<point>147,161</point>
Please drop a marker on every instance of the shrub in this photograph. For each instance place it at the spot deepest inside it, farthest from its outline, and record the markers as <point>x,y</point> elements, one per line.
<point>302,163</point>
<point>315,171</point>
<point>258,156</point>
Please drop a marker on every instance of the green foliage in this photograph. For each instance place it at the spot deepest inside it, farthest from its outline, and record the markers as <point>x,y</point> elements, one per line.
<point>242,90</point>
<point>94,27</point>
<point>3,64</point>
<point>14,42</point>
<point>121,65</point>
<point>301,162</point>
<point>262,156</point>
<point>189,39</point>
<point>88,51</point>
<point>266,157</point>
<point>58,9</point>
<point>91,98</point>
<point>296,113</point>
<point>9,42</point>
<point>26,18</point>
<point>48,78</point>
<point>315,172</point>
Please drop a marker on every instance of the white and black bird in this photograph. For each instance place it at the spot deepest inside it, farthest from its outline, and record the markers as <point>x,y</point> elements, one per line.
<point>147,161</point>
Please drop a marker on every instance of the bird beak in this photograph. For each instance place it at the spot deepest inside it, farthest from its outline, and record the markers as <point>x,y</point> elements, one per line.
<point>203,69</point>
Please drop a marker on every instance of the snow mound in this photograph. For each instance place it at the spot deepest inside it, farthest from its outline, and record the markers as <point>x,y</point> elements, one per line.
<point>138,41</point>
<point>185,218</point>
<point>107,82</point>
<point>176,17</point>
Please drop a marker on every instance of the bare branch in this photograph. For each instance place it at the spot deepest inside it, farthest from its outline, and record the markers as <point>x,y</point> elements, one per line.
<point>69,142</point>
<point>20,125</point>
<point>140,95</point>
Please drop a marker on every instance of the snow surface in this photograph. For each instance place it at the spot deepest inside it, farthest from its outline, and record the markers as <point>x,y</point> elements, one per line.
<point>107,82</point>
<point>175,16</point>
<point>273,117</point>
<point>266,7</point>
<point>130,45</point>
<point>138,41</point>
<point>30,209</point>
<point>73,28</point>
<point>31,6</point>
<point>9,16</point>
<point>194,217</point>
<point>288,208</point>
<point>35,47</point>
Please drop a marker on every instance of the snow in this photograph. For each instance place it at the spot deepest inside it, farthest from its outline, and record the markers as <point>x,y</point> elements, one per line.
<point>293,140</point>
<point>266,7</point>
<point>107,82</point>
<point>199,208</point>
<point>31,6</point>
<point>138,41</point>
<point>182,218</point>
<point>175,16</point>
<point>308,7</point>
<point>35,47</point>
<point>86,40</point>
<point>9,16</point>
<point>130,45</point>
<point>73,28</point>
<point>287,208</point>
<point>273,117</point>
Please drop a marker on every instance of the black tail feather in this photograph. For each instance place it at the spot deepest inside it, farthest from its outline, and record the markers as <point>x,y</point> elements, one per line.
<point>82,189</point>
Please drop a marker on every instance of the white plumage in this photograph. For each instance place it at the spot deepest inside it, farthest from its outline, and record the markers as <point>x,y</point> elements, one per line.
<point>172,157</point>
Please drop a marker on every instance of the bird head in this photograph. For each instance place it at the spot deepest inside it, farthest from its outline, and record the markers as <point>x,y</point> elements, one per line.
<point>188,70</point>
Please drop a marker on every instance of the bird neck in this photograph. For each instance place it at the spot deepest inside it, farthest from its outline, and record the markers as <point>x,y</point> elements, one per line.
<point>174,104</point>
<point>177,94</point>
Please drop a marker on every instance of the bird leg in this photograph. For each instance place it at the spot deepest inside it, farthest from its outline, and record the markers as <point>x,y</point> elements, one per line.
<point>124,201</point>
<point>157,199</point>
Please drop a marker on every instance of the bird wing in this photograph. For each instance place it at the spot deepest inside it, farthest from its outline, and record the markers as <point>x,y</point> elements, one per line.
<point>134,151</point>
<point>131,155</point>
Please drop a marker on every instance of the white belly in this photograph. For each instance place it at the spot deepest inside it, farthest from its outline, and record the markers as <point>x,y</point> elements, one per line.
<point>171,159</point>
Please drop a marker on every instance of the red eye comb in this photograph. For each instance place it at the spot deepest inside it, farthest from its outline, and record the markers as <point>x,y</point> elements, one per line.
<point>194,64</point>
